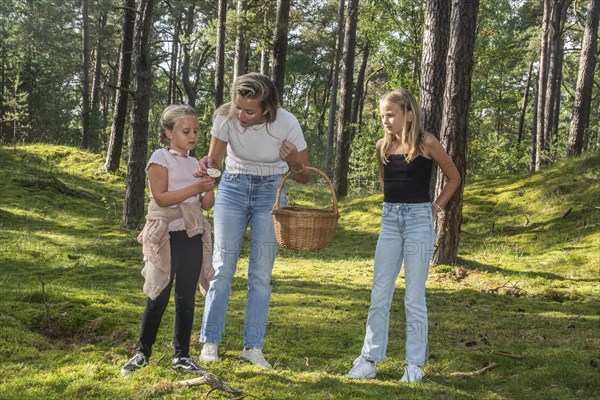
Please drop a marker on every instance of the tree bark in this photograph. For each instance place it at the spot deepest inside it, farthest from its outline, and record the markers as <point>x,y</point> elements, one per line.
<point>189,88</point>
<point>85,81</point>
<point>174,60</point>
<point>433,63</point>
<point>455,121</point>
<point>280,43</point>
<point>342,156</point>
<point>339,44</point>
<point>115,143</point>
<point>542,81</point>
<point>359,92</point>
<point>524,104</point>
<point>133,212</point>
<point>552,89</point>
<point>239,63</point>
<point>585,81</point>
<point>433,69</point>
<point>533,149</point>
<point>220,53</point>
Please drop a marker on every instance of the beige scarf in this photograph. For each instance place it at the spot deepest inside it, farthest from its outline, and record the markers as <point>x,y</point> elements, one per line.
<point>155,245</point>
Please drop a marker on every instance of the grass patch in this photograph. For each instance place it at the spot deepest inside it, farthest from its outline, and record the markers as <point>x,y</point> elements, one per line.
<point>525,293</point>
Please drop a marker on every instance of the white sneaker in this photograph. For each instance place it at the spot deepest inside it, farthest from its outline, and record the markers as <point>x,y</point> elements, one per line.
<point>363,369</point>
<point>209,353</point>
<point>255,356</point>
<point>412,373</point>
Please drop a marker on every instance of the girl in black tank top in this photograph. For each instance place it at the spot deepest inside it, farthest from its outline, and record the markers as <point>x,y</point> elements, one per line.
<point>406,154</point>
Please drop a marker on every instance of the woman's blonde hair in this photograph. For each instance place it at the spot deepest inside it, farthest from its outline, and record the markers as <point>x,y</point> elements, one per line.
<point>412,134</point>
<point>169,118</point>
<point>253,86</point>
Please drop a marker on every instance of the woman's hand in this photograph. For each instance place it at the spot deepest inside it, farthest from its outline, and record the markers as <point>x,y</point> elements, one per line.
<point>203,165</point>
<point>289,153</point>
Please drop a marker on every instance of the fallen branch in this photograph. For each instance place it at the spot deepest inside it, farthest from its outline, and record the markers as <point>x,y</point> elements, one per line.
<point>211,380</point>
<point>526,219</point>
<point>478,372</point>
<point>567,213</point>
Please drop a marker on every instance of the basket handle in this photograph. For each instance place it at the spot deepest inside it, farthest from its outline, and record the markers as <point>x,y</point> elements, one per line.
<point>289,173</point>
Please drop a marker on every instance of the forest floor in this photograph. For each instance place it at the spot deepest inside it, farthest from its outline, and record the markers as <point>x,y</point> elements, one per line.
<point>523,300</point>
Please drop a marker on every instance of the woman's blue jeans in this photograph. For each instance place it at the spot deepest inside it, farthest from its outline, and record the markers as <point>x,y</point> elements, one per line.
<point>242,200</point>
<point>407,234</point>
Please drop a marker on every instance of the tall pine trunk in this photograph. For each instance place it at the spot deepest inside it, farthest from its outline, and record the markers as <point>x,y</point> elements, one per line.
<point>342,153</point>
<point>585,80</point>
<point>133,211</point>
<point>115,143</point>
<point>220,53</point>
<point>543,68</point>
<point>339,44</point>
<point>239,62</point>
<point>436,37</point>
<point>85,81</point>
<point>280,43</point>
<point>455,122</point>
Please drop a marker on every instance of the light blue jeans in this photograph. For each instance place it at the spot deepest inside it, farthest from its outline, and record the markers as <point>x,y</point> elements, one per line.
<point>407,234</point>
<point>242,200</point>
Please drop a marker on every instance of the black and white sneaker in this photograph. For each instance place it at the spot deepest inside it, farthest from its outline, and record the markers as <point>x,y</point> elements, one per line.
<point>138,361</point>
<point>187,364</point>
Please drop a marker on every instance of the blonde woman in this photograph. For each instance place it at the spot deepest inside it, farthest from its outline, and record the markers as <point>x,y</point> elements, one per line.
<point>262,142</point>
<point>406,154</point>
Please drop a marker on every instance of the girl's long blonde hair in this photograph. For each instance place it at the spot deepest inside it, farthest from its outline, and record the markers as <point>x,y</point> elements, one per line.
<point>169,118</point>
<point>412,135</point>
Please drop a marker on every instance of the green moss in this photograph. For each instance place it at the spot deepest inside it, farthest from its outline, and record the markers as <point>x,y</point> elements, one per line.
<point>524,293</point>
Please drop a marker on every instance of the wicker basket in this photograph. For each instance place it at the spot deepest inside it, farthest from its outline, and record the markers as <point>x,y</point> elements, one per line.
<point>303,228</point>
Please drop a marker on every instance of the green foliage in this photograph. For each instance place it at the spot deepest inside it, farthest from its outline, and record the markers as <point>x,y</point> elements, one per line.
<point>524,294</point>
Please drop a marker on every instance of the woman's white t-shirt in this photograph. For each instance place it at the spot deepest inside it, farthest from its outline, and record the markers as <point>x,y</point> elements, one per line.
<point>255,150</point>
<point>181,174</point>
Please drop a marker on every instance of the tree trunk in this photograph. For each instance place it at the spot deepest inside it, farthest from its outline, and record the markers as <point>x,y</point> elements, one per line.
<point>85,80</point>
<point>339,44</point>
<point>174,59</point>
<point>133,212</point>
<point>554,57</point>
<point>533,149</point>
<point>585,81</point>
<point>359,93</point>
<point>239,63</point>
<point>280,43</point>
<point>457,98</point>
<point>542,81</point>
<point>115,143</point>
<point>433,63</point>
<point>190,90</point>
<point>524,104</point>
<point>342,154</point>
<point>433,69</point>
<point>220,53</point>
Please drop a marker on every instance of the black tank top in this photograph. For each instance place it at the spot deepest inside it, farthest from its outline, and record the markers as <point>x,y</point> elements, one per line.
<point>406,182</point>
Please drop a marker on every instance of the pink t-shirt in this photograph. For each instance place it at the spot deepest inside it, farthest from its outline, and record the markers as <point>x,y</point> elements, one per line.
<point>181,174</point>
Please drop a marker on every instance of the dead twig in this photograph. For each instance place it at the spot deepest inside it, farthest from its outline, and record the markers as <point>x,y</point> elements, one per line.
<point>478,372</point>
<point>526,219</point>
<point>567,213</point>
<point>211,380</point>
<point>159,360</point>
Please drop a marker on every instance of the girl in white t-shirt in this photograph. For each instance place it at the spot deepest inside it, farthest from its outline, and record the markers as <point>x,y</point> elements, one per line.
<point>175,211</point>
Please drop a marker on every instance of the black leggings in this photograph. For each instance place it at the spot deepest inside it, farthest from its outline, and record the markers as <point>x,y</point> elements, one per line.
<point>186,260</point>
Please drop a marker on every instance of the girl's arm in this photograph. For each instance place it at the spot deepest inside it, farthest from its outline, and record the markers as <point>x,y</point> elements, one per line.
<point>434,150</point>
<point>380,163</point>
<point>208,200</point>
<point>159,180</point>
